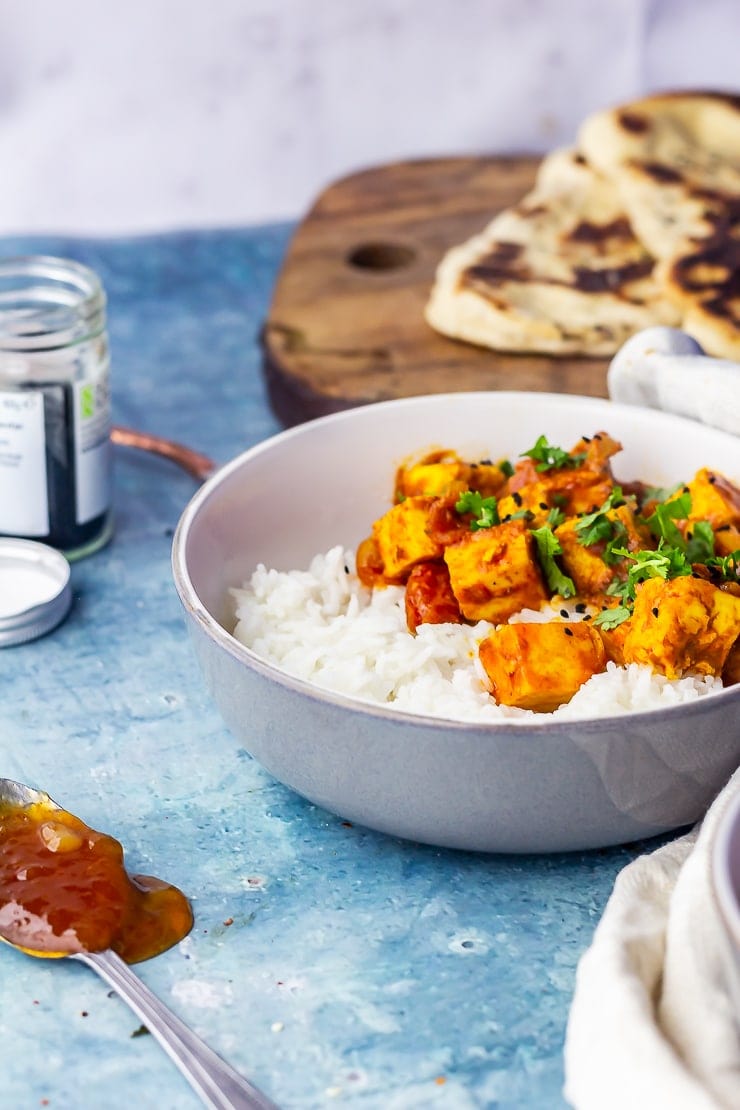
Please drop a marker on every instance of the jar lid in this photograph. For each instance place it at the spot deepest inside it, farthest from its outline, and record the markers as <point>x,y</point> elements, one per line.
<point>35,590</point>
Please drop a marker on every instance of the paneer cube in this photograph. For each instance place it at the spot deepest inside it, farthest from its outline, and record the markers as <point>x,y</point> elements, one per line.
<point>444,474</point>
<point>486,477</point>
<point>435,476</point>
<point>540,496</point>
<point>494,572</point>
<point>402,536</point>
<point>534,499</point>
<point>726,540</point>
<point>579,488</point>
<point>598,449</point>
<point>682,625</point>
<point>585,564</point>
<point>540,666</point>
<point>586,498</point>
<point>714,498</point>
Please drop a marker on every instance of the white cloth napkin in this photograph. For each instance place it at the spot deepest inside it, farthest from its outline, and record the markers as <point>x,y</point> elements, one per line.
<point>651,1023</point>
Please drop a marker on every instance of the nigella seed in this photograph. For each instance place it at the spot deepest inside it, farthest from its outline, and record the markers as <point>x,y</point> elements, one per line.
<point>568,631</point>
<point>587,617</point>
<point>722,528</point>
<point>581,607</point>
<point>346,569</point>
<point>688,535</point>
<point>655,610</point>
<point>544,505</point>
<point>587,439</point>
<point>712,479</point>
<point>564,613</point>
<point>686,489</point>
<point>517,498</point>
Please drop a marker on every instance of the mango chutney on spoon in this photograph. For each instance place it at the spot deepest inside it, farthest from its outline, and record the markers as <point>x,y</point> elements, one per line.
<point>64,888</point>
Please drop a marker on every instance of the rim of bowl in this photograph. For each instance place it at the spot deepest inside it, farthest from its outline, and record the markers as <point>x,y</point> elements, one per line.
<point>726,894</point>
<point>226,640</point>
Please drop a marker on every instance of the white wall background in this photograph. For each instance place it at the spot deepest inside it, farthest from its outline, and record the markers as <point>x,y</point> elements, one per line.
<point>153,114</point>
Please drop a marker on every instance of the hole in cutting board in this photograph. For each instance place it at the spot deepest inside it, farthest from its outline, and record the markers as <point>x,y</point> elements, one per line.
<point>381,256</point>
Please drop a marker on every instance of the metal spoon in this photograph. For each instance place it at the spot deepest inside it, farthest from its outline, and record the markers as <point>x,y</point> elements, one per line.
<point>217,1083</point>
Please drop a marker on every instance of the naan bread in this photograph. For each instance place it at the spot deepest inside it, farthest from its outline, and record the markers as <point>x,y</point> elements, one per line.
<point>674,160</point>
<point>706,284</point>
<point>559,273</point>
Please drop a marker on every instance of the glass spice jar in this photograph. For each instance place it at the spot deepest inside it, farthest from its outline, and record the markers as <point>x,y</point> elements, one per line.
<point>55,449</point>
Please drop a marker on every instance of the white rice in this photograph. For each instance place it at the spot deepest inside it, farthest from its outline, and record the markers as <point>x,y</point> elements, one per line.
<point>324,626</point>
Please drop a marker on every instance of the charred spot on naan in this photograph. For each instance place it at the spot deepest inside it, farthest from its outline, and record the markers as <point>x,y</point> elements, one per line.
<point>632,122</point>
<point>502,264</point>
<point>712,274</point>
<point>601,235</point>
<point>636,122</point>
<point>505,263</point>
<point>721,214</point>
<point>612,279</point>
<point>658,171</point>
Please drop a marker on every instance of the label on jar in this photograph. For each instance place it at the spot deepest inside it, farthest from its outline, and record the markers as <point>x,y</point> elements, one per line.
<point>24,503</point>
<point>92,423</point>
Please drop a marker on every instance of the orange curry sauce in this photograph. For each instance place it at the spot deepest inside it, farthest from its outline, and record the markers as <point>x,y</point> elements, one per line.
<point>64,889</point>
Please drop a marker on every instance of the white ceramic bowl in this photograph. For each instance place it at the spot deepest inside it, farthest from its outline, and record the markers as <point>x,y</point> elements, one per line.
<point>547,786</point>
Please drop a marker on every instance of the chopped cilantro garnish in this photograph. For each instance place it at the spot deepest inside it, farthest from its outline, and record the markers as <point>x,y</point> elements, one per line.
<point>657,493</point>
<point>727,566</point>
<point>555,518</point>
<point>597,526</point>
<point>700,544</point>
<point>548,546</point>
<point>664,562</point>
<point>549,457</point>
<point>620,587</point>
<point>611,553</point>
<point>661,521</point>
<point>612,618</point>
<point>594,528</point>
<point>506,468</point>
<point>484,509</point>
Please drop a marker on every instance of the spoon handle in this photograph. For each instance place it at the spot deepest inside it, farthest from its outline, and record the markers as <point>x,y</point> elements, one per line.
<point>217,1083</point>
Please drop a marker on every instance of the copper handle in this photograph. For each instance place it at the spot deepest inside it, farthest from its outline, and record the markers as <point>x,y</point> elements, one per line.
<point>197,465</point>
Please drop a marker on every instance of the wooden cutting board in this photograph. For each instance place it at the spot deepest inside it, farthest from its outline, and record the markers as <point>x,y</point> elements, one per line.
<point>346,324</point>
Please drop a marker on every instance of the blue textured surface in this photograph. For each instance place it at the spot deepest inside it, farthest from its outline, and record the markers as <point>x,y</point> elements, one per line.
<point>328,963</point>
